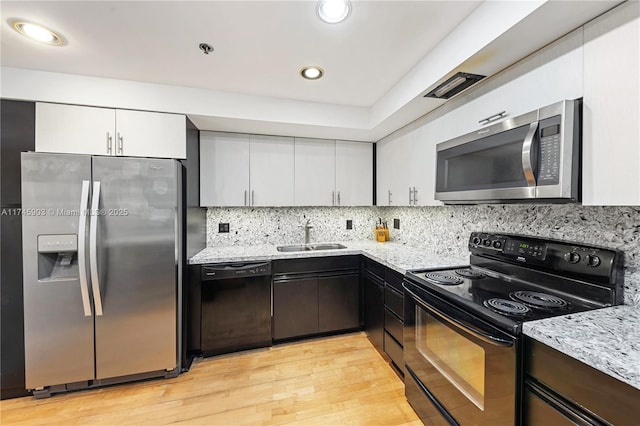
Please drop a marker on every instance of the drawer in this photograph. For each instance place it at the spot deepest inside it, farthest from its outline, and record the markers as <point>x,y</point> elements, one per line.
<point>394,279</point>
<point>582,384</point>
<point>394,301</point>
<point>315,264</point>
<point>394,350</point>
<point>374,267</point>
<point>393,325</point>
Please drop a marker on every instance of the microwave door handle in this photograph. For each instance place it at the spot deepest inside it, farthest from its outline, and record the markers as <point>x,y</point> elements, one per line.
<point>527,148</point>
<point>482,335</point>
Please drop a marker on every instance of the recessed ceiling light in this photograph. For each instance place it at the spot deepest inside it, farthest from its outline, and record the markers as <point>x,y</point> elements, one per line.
<point>36,32</point>
<point>312,73</point>
<point>333,11</point>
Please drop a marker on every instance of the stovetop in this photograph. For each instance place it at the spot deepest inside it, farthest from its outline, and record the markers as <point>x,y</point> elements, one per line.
<point>507,287</point>
<point>517,301</point>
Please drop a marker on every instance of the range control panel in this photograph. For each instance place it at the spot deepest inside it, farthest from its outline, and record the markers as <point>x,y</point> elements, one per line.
<point>547,254</point>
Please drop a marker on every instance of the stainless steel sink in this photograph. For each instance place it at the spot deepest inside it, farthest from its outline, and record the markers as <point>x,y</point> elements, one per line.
<point>293,248</point>
<point>310,247</point>
<point>327,246</point>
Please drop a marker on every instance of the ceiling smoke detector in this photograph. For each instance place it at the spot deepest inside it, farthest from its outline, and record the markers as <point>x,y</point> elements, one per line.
<point>206,48</point>
<point>454,85</point>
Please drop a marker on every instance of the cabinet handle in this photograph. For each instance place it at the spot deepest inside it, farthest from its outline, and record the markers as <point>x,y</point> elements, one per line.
<point>410,196</point>
<point>333,198</point>
<point>109,142</point>
<point>338,197</point>
<point>389,197</point>
<point>493,117</point>
<point>120,144</point>
<point>245,197</point>
<point>253,198</point>
<point>415,196</point>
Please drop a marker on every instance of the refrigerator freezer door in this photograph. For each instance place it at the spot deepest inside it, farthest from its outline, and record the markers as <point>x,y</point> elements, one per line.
<point>59,345</point>
<point>137,265</point>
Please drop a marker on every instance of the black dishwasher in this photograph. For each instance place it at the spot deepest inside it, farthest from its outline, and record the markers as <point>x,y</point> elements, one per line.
<point>236,307</point>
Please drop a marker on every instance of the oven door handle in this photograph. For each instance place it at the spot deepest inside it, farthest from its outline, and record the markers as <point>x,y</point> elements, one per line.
<point>485,337</point>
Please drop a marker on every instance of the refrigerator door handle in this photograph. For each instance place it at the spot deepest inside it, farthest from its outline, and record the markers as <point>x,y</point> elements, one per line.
<point>82,259</point>
<point>93,248</point>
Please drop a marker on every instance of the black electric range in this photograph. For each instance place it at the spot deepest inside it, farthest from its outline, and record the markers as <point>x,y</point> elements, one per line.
<point>513,279</point>
<point>462,344</point>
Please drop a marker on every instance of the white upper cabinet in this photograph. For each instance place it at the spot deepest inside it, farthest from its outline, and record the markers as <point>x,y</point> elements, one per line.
<point>272,171</point>
<point>545,77</point>
<point>406,168</point>
<point>354,173</point>
<point>76,129</point>
<point>224,169</point>
<point>611,139</point>
<point>315,172</point>
<point>392,166</point>
<point>150,134</point>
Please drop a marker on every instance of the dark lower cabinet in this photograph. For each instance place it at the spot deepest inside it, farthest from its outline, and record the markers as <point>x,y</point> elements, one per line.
<point>374,309</point>
<point>315,296</point>
<point>560,390</point>
<point>394,319</point>
<point>384,311</point>
<point>338,302</point>
<point>295,307</point>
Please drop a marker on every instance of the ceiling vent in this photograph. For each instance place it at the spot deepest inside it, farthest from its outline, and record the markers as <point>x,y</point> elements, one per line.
<point>454,85</point>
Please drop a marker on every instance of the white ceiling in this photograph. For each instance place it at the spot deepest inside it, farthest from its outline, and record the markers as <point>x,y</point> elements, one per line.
<point>379,62</point>
<point>260,46</point>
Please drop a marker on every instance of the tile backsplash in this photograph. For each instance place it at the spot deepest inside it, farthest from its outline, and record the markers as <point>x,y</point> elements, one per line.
<point>443,229</point>
<point>283,225</point>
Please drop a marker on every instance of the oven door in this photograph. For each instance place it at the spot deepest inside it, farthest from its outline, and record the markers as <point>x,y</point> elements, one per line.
<point>495,163</point>
<point>461,370</point>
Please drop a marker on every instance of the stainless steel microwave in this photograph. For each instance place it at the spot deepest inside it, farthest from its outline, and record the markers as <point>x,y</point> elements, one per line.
<point>532,157</point>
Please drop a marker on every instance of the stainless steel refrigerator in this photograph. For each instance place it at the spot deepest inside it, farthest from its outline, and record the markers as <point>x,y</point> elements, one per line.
<point>102,271</point>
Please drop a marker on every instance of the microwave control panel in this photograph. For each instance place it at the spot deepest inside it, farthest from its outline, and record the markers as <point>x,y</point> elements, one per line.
<point>550,151</point>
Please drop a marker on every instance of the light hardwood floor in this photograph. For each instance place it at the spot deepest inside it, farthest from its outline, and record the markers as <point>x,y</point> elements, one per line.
<point>339,380</point>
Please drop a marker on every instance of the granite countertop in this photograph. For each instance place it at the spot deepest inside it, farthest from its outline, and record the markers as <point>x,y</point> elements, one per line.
<point>399,257</point>
<point>606,339</point>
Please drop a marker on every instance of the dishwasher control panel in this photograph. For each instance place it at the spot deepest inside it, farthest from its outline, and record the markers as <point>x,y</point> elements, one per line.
<point>235,270</point>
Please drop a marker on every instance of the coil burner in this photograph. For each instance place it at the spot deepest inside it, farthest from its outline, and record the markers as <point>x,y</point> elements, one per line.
<point>444,278</point>
<point>508,307</point>
<point>469,273</point>
<point>539,300</point>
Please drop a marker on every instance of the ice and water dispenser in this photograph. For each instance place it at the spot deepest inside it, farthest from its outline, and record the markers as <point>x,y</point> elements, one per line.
<point>57,256</point>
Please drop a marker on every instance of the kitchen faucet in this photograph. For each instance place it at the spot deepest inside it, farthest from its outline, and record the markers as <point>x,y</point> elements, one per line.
<point>307,231</point>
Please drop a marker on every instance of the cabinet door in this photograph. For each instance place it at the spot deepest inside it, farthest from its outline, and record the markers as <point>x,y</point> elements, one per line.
<point>338,302</point>
<point>295,308</point>
<point>374,310</point>
<point>392,165</point>
<point>315,172</point>
<point>224,169</point>
<point>73,129</point>
<point>421,166</point>
<point>354,173</point>
<point>611,151</point>
<point>272,171</point>
<point>150,134</point>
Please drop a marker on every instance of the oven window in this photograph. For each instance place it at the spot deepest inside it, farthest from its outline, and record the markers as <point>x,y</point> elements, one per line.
<point>460,360</point>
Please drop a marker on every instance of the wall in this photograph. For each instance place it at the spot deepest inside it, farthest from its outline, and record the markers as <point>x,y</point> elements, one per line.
<point>443,230</point>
